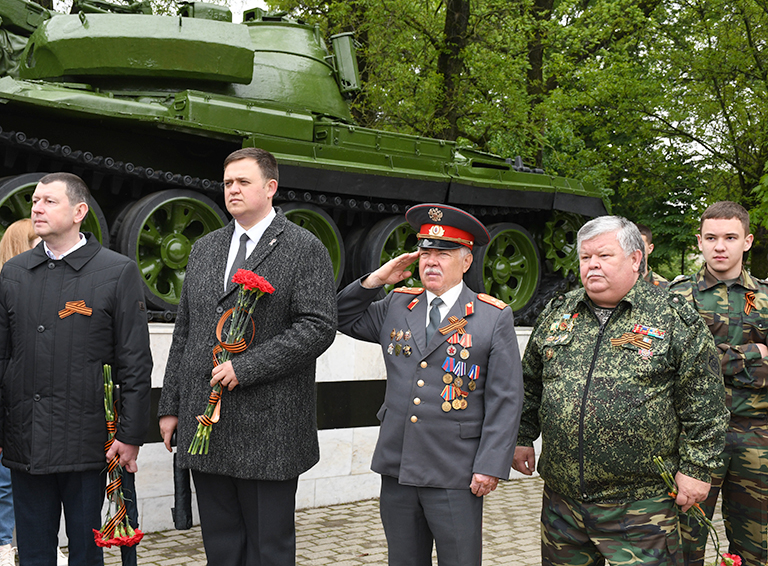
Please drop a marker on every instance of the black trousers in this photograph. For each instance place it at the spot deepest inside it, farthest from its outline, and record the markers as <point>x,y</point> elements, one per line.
<point>247,522</point>
<point>37,506</point>
<point>414,517</point>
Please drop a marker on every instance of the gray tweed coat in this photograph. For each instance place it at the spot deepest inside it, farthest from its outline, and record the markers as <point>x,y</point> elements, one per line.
<point>268,425</point>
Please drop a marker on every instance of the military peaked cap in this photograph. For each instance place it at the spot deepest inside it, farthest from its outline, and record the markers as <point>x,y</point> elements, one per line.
<point>446,227</point>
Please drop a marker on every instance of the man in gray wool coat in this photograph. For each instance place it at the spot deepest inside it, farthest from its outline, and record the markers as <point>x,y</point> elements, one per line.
<point>267,433</point>
<point>454,390</point>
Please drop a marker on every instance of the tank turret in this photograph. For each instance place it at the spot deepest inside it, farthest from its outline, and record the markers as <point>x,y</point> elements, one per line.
<point>146,107</point>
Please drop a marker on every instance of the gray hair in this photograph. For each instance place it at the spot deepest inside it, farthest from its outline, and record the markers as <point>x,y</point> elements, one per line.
<point>627,233</point>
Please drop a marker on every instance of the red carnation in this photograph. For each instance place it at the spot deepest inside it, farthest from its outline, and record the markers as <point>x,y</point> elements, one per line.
<point>252,282</point>
<point>731,560</point>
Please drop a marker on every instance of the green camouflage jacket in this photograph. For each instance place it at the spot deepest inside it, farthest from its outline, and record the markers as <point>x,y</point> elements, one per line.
<point>738,319</point>
<point>607,401</point>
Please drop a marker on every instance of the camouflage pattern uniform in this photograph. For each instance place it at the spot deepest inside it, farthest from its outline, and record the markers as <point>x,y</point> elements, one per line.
<point>656,279</point>
<point>738,319</point>
<point>606,399</point>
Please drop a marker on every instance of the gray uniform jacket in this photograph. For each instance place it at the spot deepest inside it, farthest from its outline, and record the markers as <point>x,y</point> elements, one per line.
<point>268,425</point>
<point>420,443</point>
<point>51,368</point>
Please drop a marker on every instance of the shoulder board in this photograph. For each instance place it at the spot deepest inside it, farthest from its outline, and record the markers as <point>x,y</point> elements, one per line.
<point>686,311</point>
<point>409,290</point>
<point>498,303</point>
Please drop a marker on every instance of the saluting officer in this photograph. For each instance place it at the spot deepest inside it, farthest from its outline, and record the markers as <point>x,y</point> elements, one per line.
<point>454,390</point>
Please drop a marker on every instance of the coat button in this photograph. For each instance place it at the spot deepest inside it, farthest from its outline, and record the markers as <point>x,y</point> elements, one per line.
<point>37,397</point>
<point>414,419</point>
<point>51,265</point>
<point>219,309</point>
<point>417,401</point>
<point>41,328</point>
<point>675,300</point>
<point>420,383</point>
<point>423,364</point>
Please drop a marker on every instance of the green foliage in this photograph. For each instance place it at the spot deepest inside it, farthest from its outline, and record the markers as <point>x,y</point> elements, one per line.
<point>664,103</point>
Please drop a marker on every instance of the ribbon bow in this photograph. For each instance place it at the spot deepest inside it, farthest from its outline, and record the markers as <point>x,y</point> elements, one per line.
<point>750,298</point>
<point>72,307</point>
<point>455,324</point>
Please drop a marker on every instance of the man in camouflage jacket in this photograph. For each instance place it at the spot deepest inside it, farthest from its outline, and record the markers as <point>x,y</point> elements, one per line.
<point>735,307</point>
<point>613,374</point>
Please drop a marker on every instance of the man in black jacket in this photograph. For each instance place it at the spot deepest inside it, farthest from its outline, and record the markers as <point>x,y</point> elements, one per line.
<point>68,307</point>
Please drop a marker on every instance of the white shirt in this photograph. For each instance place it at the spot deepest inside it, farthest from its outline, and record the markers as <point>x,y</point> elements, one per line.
<point>77,246</point>
<point>254,235</point>
<point>449,299</point>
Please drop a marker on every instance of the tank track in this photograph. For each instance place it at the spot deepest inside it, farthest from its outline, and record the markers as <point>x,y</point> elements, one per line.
<point>26,154</point>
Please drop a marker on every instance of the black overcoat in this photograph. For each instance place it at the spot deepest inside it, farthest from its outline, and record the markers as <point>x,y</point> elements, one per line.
<point>51,367</point>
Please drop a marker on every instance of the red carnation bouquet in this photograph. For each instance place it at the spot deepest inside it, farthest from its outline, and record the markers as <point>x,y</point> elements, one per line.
<point>116,530</point>
<point>252,288</point>
<point>697,513</point>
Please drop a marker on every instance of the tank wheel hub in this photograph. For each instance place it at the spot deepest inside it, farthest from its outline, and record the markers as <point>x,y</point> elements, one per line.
<point>174,250</point>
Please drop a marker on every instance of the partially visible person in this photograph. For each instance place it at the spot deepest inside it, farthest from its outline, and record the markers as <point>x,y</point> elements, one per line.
<point>67,307</point>
<point>19,237</point>
<point>734,304</point>
<point>648,274</point>
<point>616,373</point>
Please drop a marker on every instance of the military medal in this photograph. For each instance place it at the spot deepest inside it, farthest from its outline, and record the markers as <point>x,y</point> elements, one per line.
<point>645,353</point>
<point>464,354</point>
<point>407,351</point>
<point>471,385</point>
<point>448,364</point>
<point>649,331</point>
<point>447,378</point>
<point>399,336</point>
<point>474,373</point>
<point>456,404</point>
<point>449,396</point>
<point>393,334</point>
<point>548,353</point>
<point>451,350</point>
<point>466,342</point>
<point>460,368</point>
<point>398,349</point>
<point>458,382</point>
<point>390,348</point>
<point>407,335</point>
<point>464,404</point>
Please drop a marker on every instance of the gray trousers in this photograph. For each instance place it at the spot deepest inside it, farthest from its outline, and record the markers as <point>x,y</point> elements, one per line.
<point>415,517</point>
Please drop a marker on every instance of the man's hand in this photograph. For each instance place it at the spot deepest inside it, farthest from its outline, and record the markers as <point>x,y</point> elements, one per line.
<point>127,454</point>
<point>224,374</point>
<point>391,272</point>
<point>524,460</point>
<point>482,484</point>
<point>168,424</point>
<point>690,491</point>
<point>762,348</point>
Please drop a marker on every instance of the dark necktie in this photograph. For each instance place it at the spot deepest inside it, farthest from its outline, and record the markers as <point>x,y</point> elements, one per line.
<point>434,317</point>
<point>239,259</point>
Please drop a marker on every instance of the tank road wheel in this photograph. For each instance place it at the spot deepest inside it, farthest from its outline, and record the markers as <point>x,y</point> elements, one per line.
<point>560,242</point>
<point>317,221</point>
<point>388,239</point>
<point>158,232</point>
<point>508,267</point>
<point>16,203</point>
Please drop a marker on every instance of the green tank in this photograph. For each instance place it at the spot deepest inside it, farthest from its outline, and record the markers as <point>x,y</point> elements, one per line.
<point>146,107</point>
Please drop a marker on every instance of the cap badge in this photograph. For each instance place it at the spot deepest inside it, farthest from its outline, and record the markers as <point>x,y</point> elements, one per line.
<point>435,214</point>
<point>436,230</point>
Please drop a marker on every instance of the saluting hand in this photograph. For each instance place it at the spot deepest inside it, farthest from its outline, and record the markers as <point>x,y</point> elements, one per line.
<point>394,270</point>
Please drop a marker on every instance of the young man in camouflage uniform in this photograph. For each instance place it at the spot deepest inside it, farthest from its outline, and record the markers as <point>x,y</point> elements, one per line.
<point>735,307</point>
<point>613,374</point>
<point>648,274</point>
